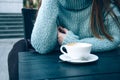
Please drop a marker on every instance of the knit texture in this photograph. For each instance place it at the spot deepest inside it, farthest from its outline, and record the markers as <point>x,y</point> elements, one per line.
<point>75,16</point>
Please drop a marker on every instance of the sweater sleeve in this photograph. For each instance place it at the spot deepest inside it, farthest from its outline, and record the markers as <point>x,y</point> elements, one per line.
<point>99,45</point>
<point>44,34</point>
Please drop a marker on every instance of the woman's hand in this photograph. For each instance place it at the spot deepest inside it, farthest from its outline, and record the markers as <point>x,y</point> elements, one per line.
<point>61,34</point>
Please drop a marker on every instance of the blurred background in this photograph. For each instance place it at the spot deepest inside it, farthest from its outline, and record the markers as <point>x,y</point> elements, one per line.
<point>11,28</point>
<point>31,3</point>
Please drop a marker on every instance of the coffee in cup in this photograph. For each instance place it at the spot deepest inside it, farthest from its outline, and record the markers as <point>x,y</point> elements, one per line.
<point>76,50</point>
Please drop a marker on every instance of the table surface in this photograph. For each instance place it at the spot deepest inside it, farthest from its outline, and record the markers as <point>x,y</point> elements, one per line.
<point>33,66</point>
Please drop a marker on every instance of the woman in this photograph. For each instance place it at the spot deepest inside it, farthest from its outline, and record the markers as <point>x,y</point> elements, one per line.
<point>90,21</point>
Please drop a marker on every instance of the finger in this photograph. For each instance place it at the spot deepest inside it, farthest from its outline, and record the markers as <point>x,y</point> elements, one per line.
<point>61,29</point>
<point>65,30</point>
<point>58,28</point>
<point>59,34</point>
<point>59,40</point>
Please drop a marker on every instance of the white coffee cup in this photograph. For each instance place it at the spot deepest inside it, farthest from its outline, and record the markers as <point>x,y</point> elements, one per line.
<point>76,50</point>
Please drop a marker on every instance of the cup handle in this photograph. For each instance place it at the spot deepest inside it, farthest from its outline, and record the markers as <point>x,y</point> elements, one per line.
<point>61,49</point>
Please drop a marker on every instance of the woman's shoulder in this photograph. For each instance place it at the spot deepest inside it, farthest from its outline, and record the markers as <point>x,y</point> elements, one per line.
<point>49,4</point>
<point>49,1</point>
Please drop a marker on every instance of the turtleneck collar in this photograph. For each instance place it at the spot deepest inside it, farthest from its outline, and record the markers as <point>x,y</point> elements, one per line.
<point>75,4</point>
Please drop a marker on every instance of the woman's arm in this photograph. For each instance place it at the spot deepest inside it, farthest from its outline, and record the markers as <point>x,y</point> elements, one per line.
<point>99,44</point>
<point>44,34</point>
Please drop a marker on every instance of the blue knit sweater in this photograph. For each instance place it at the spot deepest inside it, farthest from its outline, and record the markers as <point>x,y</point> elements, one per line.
<point>75,16</point>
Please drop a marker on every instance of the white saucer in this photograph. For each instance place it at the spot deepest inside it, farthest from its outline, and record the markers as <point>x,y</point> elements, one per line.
<point>91,58</point>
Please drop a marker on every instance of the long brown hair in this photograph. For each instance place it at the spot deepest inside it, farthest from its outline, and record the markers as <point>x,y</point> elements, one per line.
<point>99,7</point>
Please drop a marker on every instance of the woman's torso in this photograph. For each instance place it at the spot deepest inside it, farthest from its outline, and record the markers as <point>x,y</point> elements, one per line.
<point>77,21</point>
